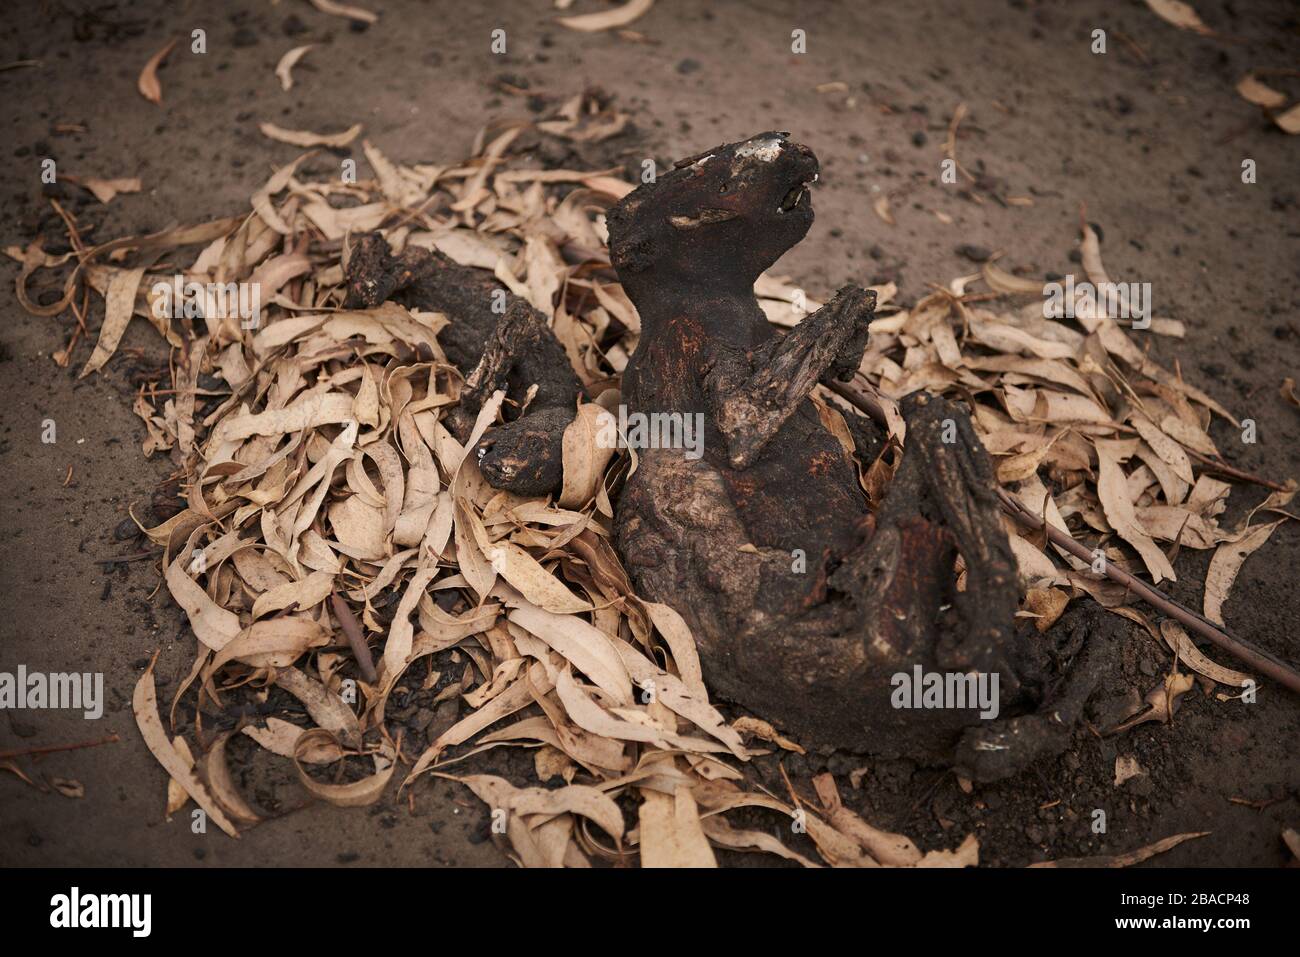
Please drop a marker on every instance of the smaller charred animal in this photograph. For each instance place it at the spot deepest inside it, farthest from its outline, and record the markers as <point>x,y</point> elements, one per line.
<point>512,350</point>
<point>806,605</point>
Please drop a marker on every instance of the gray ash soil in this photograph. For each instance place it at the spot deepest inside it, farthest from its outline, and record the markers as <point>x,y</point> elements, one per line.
<point>1152,143</point>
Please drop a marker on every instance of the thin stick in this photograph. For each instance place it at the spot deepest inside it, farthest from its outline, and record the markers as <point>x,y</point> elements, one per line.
<point>51,748</point>
<point>1257,658</point>
<point>133,557</point>
<point>1223,468</point>
<point>863,403</point>
<point>1132,45</point>
<point>360,650</point>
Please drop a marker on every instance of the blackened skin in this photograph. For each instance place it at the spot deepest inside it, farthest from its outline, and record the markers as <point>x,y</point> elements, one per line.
<point>804,603</point>
<point>512,351</point>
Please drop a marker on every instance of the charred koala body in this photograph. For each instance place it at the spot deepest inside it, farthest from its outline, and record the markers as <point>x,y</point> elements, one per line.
<point>806,605</point>
<point>844,625</point>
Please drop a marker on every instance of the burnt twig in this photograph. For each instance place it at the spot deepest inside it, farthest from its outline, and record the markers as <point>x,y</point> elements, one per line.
<point>1220,467</point>
<point>52,748</point>
<point>360,650</point>
<point>132,557</point>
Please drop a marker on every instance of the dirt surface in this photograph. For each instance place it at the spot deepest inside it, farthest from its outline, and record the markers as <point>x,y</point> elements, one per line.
<point>1151,136</point>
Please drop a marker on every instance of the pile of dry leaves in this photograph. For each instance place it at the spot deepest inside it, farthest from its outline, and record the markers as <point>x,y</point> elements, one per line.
<point>330,510</point>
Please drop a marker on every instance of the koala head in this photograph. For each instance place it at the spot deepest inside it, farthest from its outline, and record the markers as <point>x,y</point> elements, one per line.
<point>727,213</point>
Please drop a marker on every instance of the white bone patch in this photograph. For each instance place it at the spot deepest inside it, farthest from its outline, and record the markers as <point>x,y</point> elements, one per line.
<point>764,150</point>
